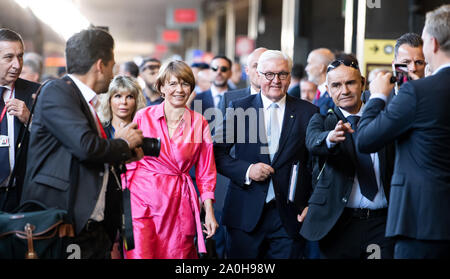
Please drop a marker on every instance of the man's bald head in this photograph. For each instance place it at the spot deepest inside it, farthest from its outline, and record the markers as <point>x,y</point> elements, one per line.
<point>318,61</point>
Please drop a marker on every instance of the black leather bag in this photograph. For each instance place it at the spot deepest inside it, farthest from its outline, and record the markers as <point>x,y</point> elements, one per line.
<point>34,231</point>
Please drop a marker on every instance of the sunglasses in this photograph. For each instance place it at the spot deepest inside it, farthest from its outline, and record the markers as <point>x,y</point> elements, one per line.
<point>336,63</point>
<point>223,69</point>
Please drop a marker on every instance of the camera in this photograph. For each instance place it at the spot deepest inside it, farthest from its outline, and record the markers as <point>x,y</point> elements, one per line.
<point>151,146</point>
<point>400,75</point>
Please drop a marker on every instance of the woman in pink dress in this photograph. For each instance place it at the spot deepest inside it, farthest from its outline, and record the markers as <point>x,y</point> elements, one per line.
<point>164,203</point>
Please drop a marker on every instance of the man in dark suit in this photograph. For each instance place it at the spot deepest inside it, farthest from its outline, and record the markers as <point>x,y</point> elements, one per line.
<point>261,206</point>
<point>316,68</point>
<point>250,70</point>
<point>348,208</point>
<point>66,131</point>
<point>15,102</point>
<point>206,102</point>
<point>417,120</point>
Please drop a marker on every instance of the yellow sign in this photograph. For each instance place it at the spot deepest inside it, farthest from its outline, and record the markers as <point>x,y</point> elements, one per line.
<point>378,53</point>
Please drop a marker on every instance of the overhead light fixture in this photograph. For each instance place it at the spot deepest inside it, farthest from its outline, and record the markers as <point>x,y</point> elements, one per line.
<point>61,15</point>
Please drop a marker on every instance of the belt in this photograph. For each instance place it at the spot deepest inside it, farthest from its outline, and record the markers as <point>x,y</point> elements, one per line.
<point>365,213</point>
<point>92,225</point>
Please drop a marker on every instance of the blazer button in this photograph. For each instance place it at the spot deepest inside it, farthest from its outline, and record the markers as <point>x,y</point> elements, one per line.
<point>344,200</point>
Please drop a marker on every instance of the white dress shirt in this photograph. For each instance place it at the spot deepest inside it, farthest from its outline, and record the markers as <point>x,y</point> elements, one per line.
<point>10,118</point>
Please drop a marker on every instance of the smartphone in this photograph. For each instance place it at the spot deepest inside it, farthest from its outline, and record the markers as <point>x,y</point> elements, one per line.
<point>400,73</point>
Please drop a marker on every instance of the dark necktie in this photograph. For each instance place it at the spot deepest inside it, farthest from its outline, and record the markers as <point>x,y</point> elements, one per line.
<point>364,166</point>
<point>4,151</point>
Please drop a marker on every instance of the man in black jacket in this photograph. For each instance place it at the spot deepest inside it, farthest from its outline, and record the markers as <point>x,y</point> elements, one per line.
<point>348,208</point>
<point>15,102</point>
<point>66,130</point>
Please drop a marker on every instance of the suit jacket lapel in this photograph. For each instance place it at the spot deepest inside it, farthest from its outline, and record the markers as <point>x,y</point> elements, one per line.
<point>84,104</point>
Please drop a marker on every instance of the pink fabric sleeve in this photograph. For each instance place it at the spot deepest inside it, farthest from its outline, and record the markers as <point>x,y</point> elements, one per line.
<point>205,167</point>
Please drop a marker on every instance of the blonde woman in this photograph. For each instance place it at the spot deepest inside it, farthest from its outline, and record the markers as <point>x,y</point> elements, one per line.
<point>120,104</point>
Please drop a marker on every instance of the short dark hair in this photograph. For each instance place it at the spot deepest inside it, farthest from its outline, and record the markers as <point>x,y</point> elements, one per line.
<point>132,68</point>
<point>146,60</point>
<point>223,57</point>
<point>298,71</point>
<point>8,35</point>
<point>411,39</point>
<point>87,46</point>
<point>200,65</point>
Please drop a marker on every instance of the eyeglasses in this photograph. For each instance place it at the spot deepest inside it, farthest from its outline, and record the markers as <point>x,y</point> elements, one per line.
<point>336,63</point>
<point>223,69</point>
<point>271,76</point>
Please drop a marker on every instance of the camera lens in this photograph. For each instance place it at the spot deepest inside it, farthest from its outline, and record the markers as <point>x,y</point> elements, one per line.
<point>151,146</point>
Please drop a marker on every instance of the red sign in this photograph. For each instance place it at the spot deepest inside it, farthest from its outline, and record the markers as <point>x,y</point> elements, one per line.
<point>159,48</point>
<point>185,15</point>
<point>171,36</point>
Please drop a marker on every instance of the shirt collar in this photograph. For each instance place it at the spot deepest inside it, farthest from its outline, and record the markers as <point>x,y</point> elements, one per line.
<point>253,91</point>
<point>347,114</point>
<point>88,94</point>
<point>266,102</point>
<point>322,88</point>
<point>441,67</point>
<point>214,92</point>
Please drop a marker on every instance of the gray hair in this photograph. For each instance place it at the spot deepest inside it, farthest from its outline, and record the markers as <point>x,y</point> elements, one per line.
<point>118,84</point>
<point>34,61</point>
<point>437,24</point>
<point>273,54</point>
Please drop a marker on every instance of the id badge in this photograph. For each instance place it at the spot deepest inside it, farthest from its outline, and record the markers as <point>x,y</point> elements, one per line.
<point>4,141</point>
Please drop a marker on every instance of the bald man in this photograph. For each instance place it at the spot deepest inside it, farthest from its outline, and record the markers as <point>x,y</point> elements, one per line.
<point>316,69</point>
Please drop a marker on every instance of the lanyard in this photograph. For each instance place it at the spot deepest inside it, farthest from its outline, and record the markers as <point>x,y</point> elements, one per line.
<point>4,109</point>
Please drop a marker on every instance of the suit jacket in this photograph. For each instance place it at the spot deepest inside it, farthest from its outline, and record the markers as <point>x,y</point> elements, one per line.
<point>244,203</point>
<point>333,174</point>
<point>325,102</point>
<point>206,100</point>
<point>64,128</point>
<point>23,91</point>
<point>418,120</point>
<point>234,95</point>
<point>295,91</point>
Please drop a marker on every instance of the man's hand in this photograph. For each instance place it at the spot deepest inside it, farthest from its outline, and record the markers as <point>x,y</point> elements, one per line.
<point>18,109</point>
<point>338,134</point>
<point>260,171</point>
<point>382,84</point>
<point>301,217</point>
<point>138,154</point>
<point>130,134</point>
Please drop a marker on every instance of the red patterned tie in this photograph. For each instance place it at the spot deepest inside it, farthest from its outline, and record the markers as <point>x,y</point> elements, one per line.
<point>100,126</point>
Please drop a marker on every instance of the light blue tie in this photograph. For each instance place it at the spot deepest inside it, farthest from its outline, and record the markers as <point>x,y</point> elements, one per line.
<point>273,137</point>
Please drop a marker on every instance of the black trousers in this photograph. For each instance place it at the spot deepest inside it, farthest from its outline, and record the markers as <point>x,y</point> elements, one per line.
<point>355,237</point>
<point>94,241</point>
<point>269,240</point>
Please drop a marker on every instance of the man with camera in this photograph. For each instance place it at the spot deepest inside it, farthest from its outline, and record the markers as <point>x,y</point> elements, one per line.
<point>69,155</point>
<point>418,120</point>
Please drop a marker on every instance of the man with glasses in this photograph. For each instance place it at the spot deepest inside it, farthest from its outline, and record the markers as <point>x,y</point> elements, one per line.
<point>262,204</point>
<point>149,72</point>
<point>348,207</point>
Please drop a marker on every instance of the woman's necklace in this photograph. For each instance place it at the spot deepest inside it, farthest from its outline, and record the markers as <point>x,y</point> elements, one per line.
<point>176,123</point>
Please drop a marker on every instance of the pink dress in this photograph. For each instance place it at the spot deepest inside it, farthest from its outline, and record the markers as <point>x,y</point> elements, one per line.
<point>164,202</point>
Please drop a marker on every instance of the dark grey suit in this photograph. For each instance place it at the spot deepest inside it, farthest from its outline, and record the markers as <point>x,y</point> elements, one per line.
<point>63,128</point>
